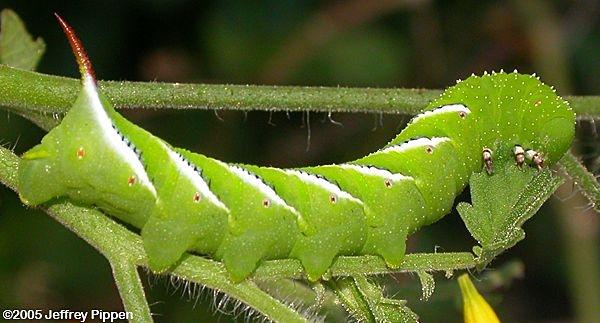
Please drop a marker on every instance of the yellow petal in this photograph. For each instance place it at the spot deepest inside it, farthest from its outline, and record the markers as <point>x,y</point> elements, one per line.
<point>476,309</point>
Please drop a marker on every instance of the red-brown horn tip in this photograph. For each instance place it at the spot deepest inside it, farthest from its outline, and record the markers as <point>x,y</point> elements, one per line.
<point>85,66</point>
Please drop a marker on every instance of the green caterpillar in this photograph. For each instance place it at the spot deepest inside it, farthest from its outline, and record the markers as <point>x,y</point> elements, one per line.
<point>242,214</point>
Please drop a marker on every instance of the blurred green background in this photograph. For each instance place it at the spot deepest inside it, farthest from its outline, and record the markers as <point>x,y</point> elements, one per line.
<point>388,43</point>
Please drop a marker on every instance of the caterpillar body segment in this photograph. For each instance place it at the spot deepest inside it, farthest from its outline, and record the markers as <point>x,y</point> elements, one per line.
<point>392,203</point>
<point>260,224</point>
<point>243,214</point>
<point>75,159</point>
<point>158,170</point>
<point>432,163</point>
<point>333,219</point>
<point>453,121</point>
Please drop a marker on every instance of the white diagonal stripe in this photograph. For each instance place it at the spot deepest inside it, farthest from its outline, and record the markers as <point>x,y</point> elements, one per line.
<point>324,184</point>
<point>257,183</point>
<point>374,171</point>
<point>451,108</point>
<point>112,137</point>
<point>415,143</point>
<point>195,178</point>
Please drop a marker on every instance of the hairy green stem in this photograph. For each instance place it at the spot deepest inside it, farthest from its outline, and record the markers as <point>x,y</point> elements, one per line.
<point>582,178</point>
<point>9,163</point>
<point>23,90</point>
<point>131,290</point>
<point>213,275</point>
<point>370,265</point>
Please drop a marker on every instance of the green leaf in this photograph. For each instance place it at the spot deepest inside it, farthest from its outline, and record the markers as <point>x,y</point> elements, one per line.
<point>17,47</point>
<point>501,203</point>
<point>366,302</point>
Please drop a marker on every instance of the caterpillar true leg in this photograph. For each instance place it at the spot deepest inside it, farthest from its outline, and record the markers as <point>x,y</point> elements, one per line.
<point>519,155</point>
<point>487,160</point>
<point>535,157</point>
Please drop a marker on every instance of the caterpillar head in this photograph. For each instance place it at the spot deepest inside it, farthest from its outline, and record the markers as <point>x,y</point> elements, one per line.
<point>512,109</point>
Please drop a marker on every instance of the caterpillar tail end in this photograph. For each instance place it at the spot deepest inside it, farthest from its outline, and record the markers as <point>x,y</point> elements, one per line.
<point>35,154</point>
<point>36,183</point>
<point>83,61</point>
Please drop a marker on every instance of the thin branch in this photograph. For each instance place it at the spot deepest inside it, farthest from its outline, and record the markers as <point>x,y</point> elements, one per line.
<point>9,163</point>
<point>24,90</point>
<point>582,178</point>
<point>370,265</point>
<point>131,290</point>
<point>213,275</point>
